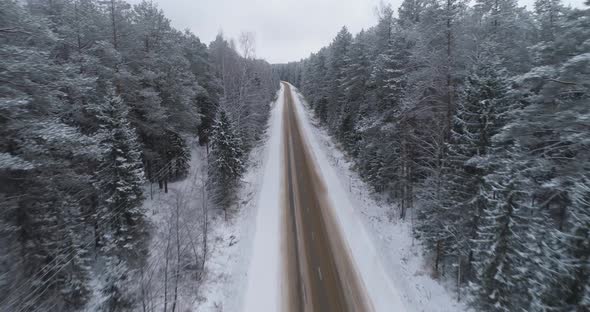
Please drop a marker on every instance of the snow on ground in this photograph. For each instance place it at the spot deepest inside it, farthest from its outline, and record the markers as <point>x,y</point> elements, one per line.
<point>247,245</point>
<point>183,198</point>
<point>263,290</point>
<point>231,242</point>
<point>389,261</point>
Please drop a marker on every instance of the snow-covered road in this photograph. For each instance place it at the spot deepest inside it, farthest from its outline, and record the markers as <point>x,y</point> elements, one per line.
<point>268,283</point>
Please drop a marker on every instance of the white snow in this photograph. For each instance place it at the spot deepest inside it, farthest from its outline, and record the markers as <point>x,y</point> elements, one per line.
<point>263,289</point>
<point>183,197</point>
<point>231,245</point>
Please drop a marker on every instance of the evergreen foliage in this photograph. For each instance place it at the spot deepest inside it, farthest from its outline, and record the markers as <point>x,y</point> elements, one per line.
<point>96,97</point>
<point>226,161</point>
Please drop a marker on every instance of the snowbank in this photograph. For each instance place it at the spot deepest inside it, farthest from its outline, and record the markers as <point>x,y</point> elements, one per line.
<point>231,245</point>
<point>263,289</point>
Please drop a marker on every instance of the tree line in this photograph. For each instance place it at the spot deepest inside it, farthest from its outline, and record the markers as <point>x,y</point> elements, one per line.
<point>474,119</point>
<point>98,98</point>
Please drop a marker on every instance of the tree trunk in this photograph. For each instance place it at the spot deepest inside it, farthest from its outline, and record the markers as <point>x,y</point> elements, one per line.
<point>458,278</point>
<point>205,225</point>
<point>438,257</point>
<point>166,273</point>
<point>449,96</point>
<point>178,205</point>
<point>114,24</point>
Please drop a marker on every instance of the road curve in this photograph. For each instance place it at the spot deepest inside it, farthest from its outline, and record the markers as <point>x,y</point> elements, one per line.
<point>320,275</point>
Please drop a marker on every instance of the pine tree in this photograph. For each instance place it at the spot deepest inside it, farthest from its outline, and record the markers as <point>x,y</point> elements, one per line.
<point>478,118</point>
<point>74,280</point>
<point>505,245</point>
<point>118,287</point>
<point>357,71</point>
<point>563,281</point>
<point>566,257</point>
<point>180,156</point>
<point>337,63</point>
<point>121,191</point>
<point>354,83</point>
<point>120,218</point>
<point>389,67</point>
<point>41,152</point>
<point>225,161</point>
<point>434,223</point>
<point>507,28</point>
<point>548,13</point>
<point>315,84</point>
<point>410,12</point>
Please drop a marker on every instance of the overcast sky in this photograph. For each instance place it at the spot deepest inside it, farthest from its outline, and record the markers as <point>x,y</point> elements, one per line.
<point>286,30</point>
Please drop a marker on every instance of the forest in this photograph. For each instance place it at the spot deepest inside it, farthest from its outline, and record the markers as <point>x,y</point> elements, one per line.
<point>474,119</point>
<point>98,100</point>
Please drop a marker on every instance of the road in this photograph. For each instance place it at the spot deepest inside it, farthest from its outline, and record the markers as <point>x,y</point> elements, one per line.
<point>320,275</point>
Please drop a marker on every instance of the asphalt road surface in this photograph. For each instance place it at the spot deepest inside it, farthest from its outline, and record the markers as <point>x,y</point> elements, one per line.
<point>320,275</point>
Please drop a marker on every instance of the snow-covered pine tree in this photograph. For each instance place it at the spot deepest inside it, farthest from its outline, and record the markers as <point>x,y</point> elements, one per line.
<point>508,27</point>
<point>371,161</point>
<point>549,14</point>
<point>357,71</point>
<point>565,276</point>
<point>118,286</point>
<point>354,83</point>
<point>409,12</point>
<point>121,193</point>
<point>565,144</point>
<point>437,56</point>
<point>180,155</point>
<point>554,128</point>
<point>337,62</point>
<point>388,73</point>
<point>478,118</point>
<point>315,84</point>
<point>58,241</point>
<point>504,249</point>
<point>434,223</point>
<point>120,217</point>
<point>41,153</point>
<point>74,277</point>
<point>225,161</point>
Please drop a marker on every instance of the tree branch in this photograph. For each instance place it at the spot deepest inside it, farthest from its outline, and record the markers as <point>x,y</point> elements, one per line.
<point>13,30</point>
<point>563,82</point>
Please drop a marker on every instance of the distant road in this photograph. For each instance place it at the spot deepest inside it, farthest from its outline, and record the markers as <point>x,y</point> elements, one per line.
<point>320,274</point>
